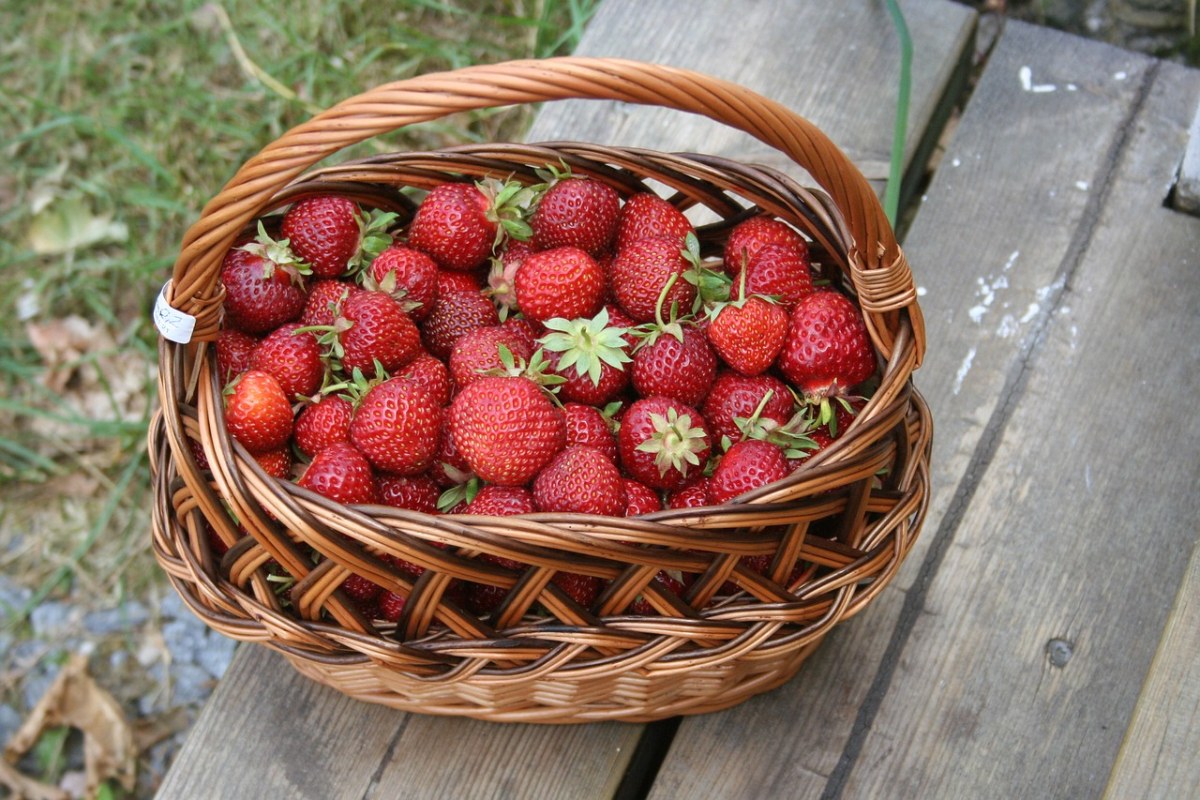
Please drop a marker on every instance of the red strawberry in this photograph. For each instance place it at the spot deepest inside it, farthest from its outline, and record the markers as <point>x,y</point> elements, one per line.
<point>258,413</point>
<point>506,428</point>
<point>453,227</point>
<point>397,426</point>
<point>650,272</point>
<point>748,333</point>
<point>675,361</point>
<point>413,492</point>
<point>450,469</point>
<point>665,582</point>
<point>322,423</point>
<point>449,281</point>
<point>501,501</point>
<point>430,373</point>
<point>734,396</point>
<point>323,231</point>
<point>362,592</point>
<point>503,274</point>
<point>276,463</point>
<point>780,272</point>
<point>391,606</point>
<point>647,215</point>
<point>749,464</point>
<point>373,327</point>
<point>260,294</point>
<point>827,350</point>
<point>590,355</point>
<point>587,425</point>
<point>663,442</point>
<point>640,498</point>
<point>576,212</point>
<point>409,276</point>
<point>749,236</point>
<point>454,313</point>
<point>324,303</point>
<point>583,589</point>
<point>293,357</point>
<point>580,480</point>
<point>693,495</point>
<point>341,473</point>
<point>564,282</point>
<point>478,351</point>
<point>234,353</point>
<point>526,329</point>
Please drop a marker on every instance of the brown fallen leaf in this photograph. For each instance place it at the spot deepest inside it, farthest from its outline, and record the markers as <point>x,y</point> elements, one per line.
<point>25,788</point>
<point>75,699</point>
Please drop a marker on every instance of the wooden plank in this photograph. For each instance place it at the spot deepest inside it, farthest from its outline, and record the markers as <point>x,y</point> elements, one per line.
<point>837,67</point>
<point>978,212</point>
<point>1023,667</point>
<point>1159,756</point>
<point>842,69</point>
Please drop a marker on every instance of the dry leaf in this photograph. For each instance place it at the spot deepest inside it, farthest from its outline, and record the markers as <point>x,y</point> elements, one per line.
<point>25,788</point>
<point>67,224</point>
<point>75,699</point>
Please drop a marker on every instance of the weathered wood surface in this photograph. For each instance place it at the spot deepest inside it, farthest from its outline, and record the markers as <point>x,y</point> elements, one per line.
<point>852,63</point>
<point>1016,650</point>
<point>1160,757</point>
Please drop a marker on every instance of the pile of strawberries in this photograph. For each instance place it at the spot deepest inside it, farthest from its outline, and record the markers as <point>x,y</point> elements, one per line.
<point>517,349</point>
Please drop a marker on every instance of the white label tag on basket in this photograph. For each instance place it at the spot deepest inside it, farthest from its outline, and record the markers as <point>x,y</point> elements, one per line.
<point>173,324</point>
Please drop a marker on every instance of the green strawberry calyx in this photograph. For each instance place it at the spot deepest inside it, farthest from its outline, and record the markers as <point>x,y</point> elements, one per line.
<point>587,344</point>
<point>508,206</point>
<point>277,255</point>
<point>675,442</point>
<point>373,238</point>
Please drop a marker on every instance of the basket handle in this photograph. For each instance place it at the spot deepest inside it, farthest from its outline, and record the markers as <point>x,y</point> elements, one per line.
<point>878,268</point>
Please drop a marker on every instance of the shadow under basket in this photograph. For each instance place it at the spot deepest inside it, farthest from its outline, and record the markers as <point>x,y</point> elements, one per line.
<point>777,568</point>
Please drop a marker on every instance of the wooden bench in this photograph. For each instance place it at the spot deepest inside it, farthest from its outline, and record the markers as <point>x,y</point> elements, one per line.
<point>1041,638</point>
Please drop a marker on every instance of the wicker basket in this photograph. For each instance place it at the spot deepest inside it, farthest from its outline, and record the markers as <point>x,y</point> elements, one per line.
<point>848,517</point>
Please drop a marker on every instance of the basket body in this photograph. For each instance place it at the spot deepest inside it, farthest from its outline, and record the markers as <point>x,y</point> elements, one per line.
<point>777,568</point>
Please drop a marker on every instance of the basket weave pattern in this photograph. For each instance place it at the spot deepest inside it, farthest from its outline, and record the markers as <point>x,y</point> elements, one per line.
<point>835,531</point>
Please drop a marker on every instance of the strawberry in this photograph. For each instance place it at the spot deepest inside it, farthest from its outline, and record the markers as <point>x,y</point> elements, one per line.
<point>450,281</point>
<point>747,465</point>
<point>450,469</point>
<point>454,312</point>
<point>276,463</point>
<point>293,357</point>
<point>506,428</point>
<point>663,581</point>
<point>322,423</point>
<point>408,275</point>
<point>413,492</point>
<point>649,273</point>
<point>501,501</point>
<point>342,474</point>
<point>430,373</point>
<point>692,495</point>
<point>580,480</point>
<point>391,605</point>
<point>260,294</point>
<point>827,350</point>
<point>748,236</point>
<point>330,233</point>
<point>735,397</point>
<point>362,592</point>
<point>676,361</point>
<point>526,329</point>
<point>374,328</point>
<point>778,271</point>
<point>503,274</point>
<point>234,353</point>
<point>663,442</point>
<point>564,282</point>
<point>324,302</point>
<point>576,212</point>
<point>647,215</point>
<point>452,226</point>
<point>590,355</point>
<point>397,427</point>
<point>748,333</point>
<point>583,589</point>
<point>640,498</point>
<point>587,425</point>
<point>478,351</point>
<point>258,413</point>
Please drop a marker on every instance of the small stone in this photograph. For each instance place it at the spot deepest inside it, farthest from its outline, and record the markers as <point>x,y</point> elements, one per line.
<point>189,684</point>
<point>216,654</point>
<point>37,681</point>
<point>10,721</point>
<point>172,607</point>
<point>184,638</point>
<point>1059,651</point>
<point>52,619</point>
<point>126,617</point>
<point>13,597</point>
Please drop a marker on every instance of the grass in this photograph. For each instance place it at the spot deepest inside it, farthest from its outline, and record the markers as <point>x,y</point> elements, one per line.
<point>118,120</point>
